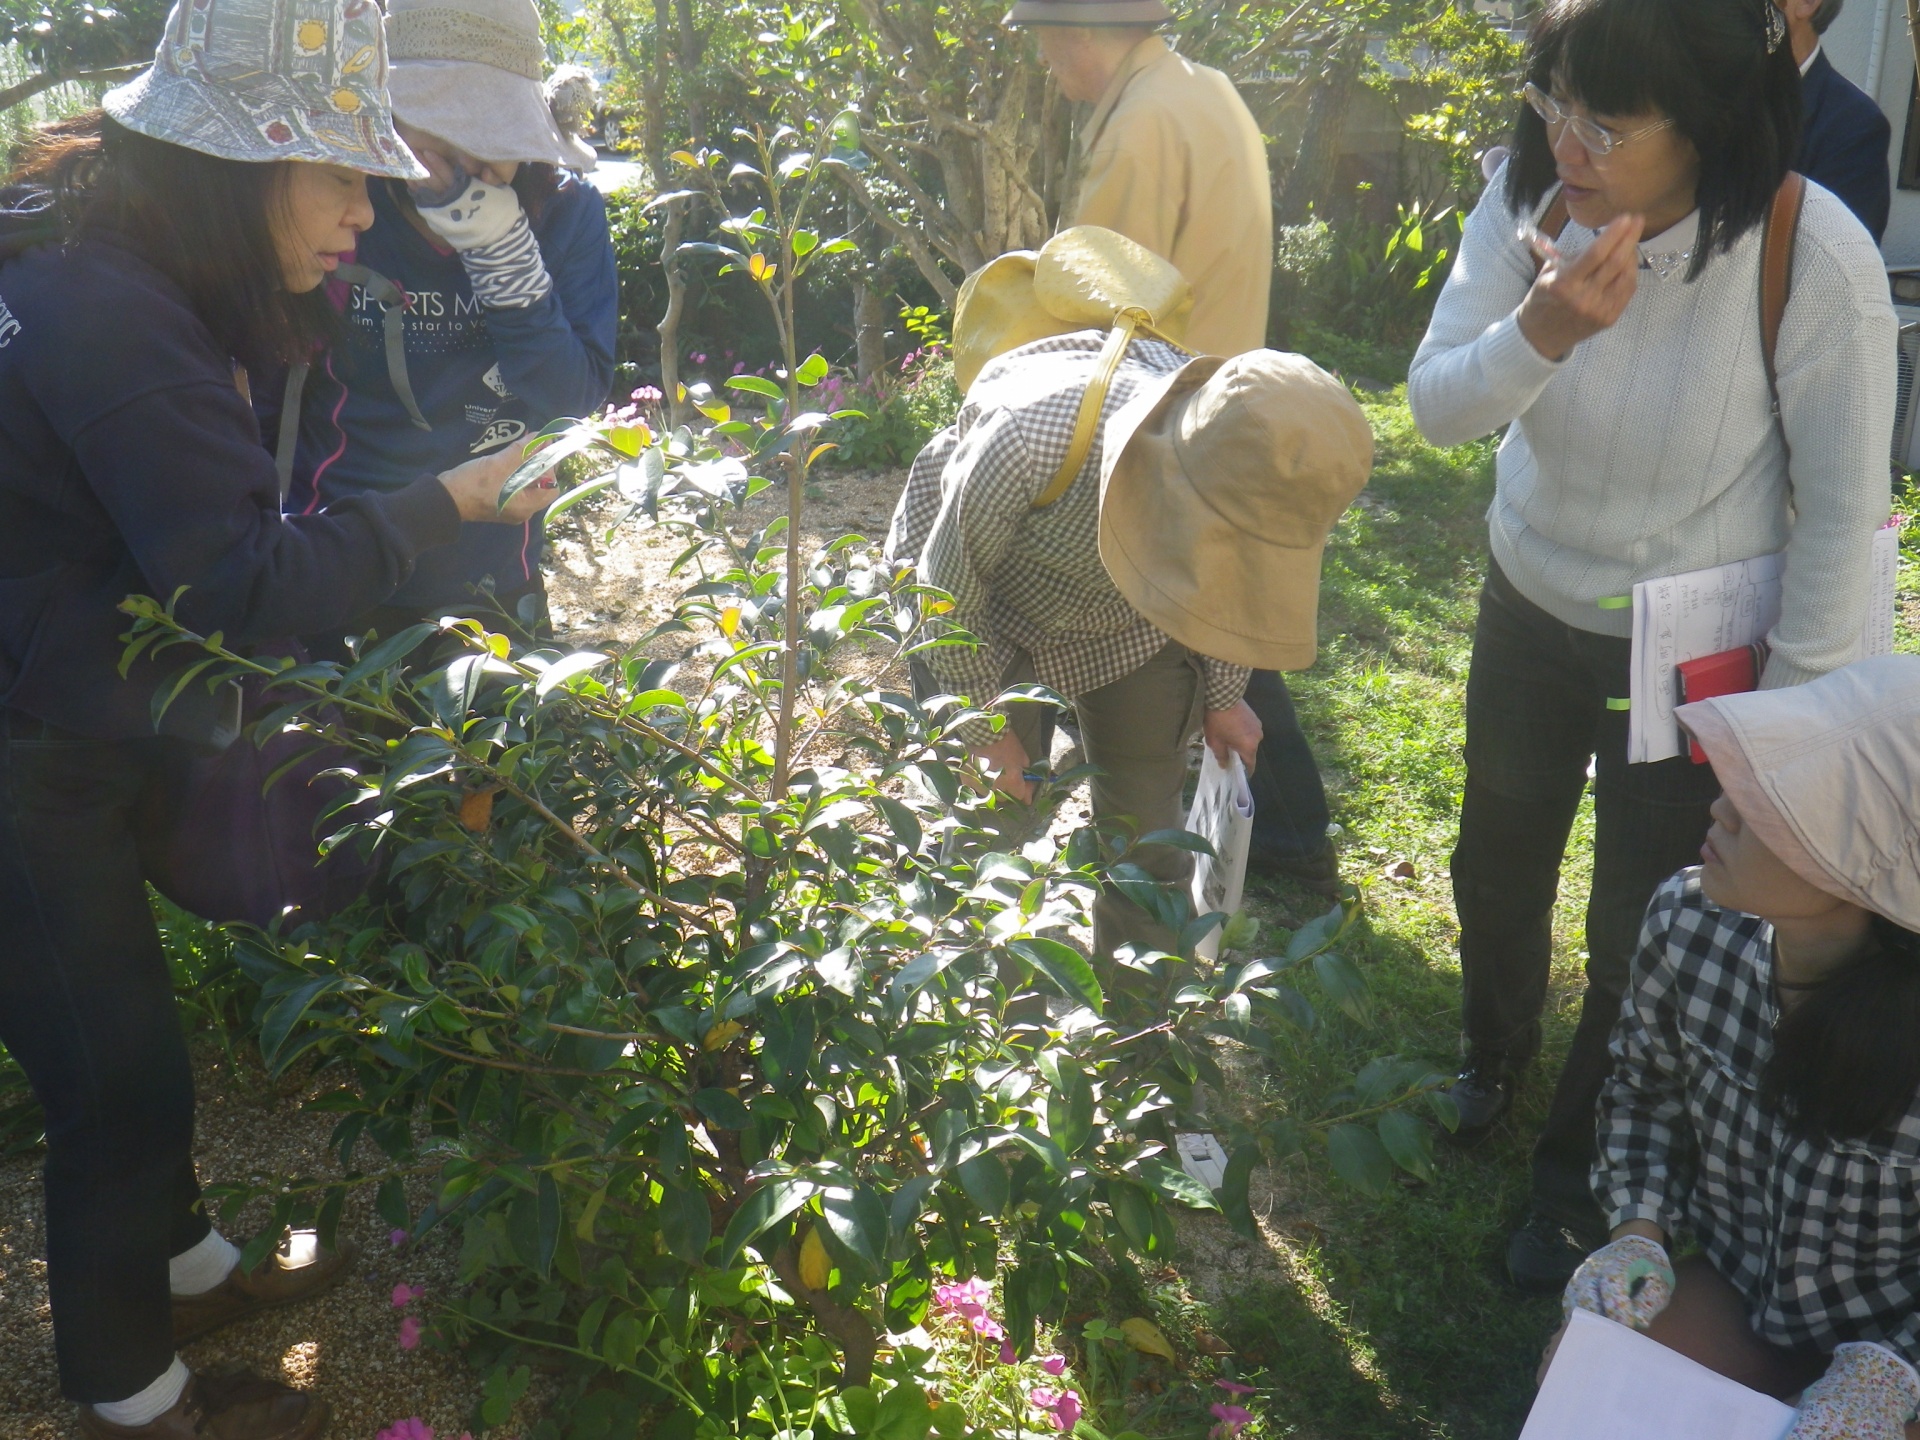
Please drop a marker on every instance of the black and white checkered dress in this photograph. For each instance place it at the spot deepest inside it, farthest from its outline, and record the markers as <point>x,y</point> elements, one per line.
<point>1823,1239</point>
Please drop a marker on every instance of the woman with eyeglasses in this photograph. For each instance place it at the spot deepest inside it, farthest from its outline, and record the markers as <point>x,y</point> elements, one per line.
<point>1624,354</point>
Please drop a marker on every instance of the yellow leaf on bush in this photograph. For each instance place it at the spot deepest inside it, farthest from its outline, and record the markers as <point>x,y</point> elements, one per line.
<point>729,620</point>
<point>1145,1336</point>
<point>722,1033</point>
<point>629,440</point>
<point>476,810</point>
<point>815,1264</point>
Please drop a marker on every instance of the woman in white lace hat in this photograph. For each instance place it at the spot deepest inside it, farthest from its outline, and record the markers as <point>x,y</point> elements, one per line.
<point>1765,1094</point>
<point>504,256</point>
<point>151,256</point>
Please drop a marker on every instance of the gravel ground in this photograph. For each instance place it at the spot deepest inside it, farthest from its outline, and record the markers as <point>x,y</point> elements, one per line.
<point>343,1345</point>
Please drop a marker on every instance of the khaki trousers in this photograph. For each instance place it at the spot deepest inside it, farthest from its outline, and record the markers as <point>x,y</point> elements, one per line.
<point>1136,730</point>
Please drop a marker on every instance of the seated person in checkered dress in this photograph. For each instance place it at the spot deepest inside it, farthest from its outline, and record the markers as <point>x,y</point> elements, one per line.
<point>1763,1099</point>
<point>1184,552</point>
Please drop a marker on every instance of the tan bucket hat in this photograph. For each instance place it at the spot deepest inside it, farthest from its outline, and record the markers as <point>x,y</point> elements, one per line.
<point>1079,280</point>
<point>469,72</point>
<point>1088,12</point>
<point>263,80</point>
<point>1218,489</point>
<point>1828,775</point>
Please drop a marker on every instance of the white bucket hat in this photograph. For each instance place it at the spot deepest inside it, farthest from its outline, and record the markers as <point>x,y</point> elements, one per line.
<point>263,80</point>
<point>1828,775</point>
<point>469,72</point>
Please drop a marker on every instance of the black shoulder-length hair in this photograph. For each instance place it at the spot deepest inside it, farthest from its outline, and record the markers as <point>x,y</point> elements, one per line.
<point>1701,63</point>
<point>1846,1059</point>
<point>204,222</point>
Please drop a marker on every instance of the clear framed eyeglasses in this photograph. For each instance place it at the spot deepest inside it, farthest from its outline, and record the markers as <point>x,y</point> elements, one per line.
<point>1595,138</point>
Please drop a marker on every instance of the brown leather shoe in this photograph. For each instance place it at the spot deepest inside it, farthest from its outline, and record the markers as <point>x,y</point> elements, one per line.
<point>240,1406</point>
<point>274,1283</point>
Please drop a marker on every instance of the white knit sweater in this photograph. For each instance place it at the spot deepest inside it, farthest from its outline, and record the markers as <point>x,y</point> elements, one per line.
<point>1651,450</point>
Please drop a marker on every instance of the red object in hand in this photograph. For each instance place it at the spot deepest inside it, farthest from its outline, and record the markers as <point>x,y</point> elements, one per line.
<point>1731,672</point>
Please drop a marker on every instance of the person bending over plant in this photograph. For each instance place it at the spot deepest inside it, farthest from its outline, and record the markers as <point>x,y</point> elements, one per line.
<point>1766,1062</point>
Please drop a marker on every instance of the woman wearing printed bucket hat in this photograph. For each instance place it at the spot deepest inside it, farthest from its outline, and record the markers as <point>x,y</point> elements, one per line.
<point>504,256</point>
<point>150,257</point>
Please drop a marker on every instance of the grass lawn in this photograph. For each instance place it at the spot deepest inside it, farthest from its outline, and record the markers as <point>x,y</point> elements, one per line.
<point>1397,1320</point>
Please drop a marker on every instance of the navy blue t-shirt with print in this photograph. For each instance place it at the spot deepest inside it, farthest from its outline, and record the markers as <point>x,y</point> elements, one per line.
<point>483,378</point>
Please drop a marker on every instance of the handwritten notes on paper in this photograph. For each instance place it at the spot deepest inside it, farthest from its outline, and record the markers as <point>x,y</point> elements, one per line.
<point>1703,612</point>
<point>1608,1382</point>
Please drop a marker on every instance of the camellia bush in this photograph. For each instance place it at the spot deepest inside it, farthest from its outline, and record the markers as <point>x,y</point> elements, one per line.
<point>730,1016</point>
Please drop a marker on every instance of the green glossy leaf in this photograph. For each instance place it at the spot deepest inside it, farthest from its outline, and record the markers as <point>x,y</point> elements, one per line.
<point>1360,1159</point>
<point>1345,985</point>
<point>1234,1203</point>
<point>772,1201</point>
<point>756,385</point>
<point>812,370</point>
<point>1175,1184</point>
<point>859,1222</point>
<point>1066,967</point>
<point>686,1225</point>
<point>1408,1140</point>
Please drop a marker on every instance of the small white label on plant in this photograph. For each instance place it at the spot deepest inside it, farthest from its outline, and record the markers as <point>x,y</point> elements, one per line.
<point>1203,1157</point>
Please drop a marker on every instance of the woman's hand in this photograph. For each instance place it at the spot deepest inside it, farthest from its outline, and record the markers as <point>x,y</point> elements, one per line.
<point>1629,1279</point>
<point>1237,731</point>
<point>475,488</point>
<point>1573,299</point>
<point>1005,761</point>
<point>1866,1394</point>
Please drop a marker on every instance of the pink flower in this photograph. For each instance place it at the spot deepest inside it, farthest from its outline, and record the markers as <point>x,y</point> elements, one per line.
<point>1233,1419</point>
<point>410,1337</point>
<point>405,1295</point>
<point>1234,1387</point>
<point>698,359</point>
<point>963,1295</point>
<point>1062,1406</point>
<point>1055,1365</point>
<point>1007,1357</point>
<point>412,1428</point>
<point>396,1238</point>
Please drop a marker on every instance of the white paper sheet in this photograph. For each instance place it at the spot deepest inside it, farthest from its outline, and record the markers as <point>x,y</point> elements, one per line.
<point>1222,814</point>
<point>1608,1382</point>
<point>1703,612</point>
<point>1203,1157</point>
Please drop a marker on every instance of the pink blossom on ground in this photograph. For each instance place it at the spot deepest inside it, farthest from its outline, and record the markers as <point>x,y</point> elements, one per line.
<point>698,359</point>
<point>1234,1387</point>
<point>412,1428</point>
<point>1062,1406</point>
<point>405,1295</point>
<point>410,1336</point>
<point>396,1238</point>
<point>1232,1418</point>
<point>1054,1364</point>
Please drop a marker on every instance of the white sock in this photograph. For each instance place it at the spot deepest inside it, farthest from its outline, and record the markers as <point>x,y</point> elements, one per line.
<point>151,1403</point>
<point>204,1266</point>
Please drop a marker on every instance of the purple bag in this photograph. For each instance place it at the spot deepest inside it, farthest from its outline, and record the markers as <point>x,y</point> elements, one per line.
<point>241,849</point>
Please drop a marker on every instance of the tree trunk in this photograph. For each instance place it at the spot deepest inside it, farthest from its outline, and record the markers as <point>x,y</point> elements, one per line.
<point>869,332</point>
<point>676,304</point>
<point>1309,184</point>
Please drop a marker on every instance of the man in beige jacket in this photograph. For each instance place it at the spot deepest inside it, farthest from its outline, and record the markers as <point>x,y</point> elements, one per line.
<point>1172,158</point>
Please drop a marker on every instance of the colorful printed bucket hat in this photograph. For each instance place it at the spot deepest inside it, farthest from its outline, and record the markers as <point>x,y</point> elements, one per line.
<point>263,80</point>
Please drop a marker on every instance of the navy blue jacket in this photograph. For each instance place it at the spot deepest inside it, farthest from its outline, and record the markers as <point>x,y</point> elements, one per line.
<point>484,378</point>
<point>1843,143</point>
<point>130,463</point>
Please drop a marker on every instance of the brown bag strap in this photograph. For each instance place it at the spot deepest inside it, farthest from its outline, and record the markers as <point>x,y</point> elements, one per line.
<point>1555,220</point>
<point>1776,272</point>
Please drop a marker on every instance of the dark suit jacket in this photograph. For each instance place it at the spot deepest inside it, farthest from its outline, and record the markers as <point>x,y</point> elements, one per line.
<point>1843,143</point>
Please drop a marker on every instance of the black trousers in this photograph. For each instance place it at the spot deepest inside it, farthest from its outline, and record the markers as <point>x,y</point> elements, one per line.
<point>1537,713</point>
<point>1289,801</point>
<point>87,1009</point>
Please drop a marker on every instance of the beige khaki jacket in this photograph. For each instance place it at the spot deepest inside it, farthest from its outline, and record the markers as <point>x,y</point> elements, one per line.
<point>1174,160</point>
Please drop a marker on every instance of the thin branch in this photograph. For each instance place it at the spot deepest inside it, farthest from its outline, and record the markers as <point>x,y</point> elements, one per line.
<point>47,79</point>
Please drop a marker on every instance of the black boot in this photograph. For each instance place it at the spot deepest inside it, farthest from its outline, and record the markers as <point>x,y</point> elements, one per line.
<point>1482,1095</point>
<point>1544,1252</point>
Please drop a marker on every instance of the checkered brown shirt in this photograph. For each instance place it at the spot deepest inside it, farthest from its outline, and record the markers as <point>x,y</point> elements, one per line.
<point>1026,579</point>
<point>1823,1239</point>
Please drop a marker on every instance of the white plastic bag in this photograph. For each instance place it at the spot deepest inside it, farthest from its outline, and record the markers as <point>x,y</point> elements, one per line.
<point>1222,814</point>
